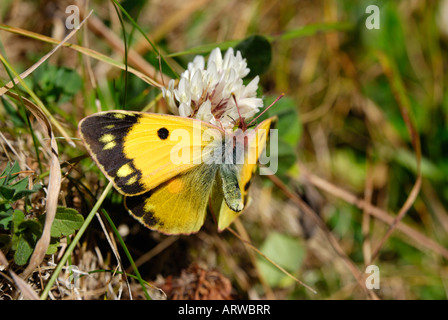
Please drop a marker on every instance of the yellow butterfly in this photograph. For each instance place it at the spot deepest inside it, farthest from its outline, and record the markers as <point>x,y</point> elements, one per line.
<point>169,167</point>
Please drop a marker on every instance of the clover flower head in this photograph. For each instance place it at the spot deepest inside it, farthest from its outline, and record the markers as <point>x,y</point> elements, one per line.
<point>205,93</point>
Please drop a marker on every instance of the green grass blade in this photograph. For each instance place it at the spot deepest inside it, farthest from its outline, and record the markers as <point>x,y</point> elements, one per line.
<point>128,254</point>
<point>143,33</point>
<point>75,241</point>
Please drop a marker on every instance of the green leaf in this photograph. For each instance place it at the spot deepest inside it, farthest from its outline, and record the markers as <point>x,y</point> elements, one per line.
<point>286,158</point>
<point>6,219</point>
<point>14,191</point>
<point>17,190</point>
<point>66,222</point>
<point>29,231</point>
<point>12,113</point>
<point>23,193</point>
<point>17,218</point>
<point>69,80</point>
<point>7,174</point>
<point>258,53</point>
<point>5,242</point>
<point>30,226</point>
<point>289,125</point>
<point>14,169</point>
<point>7,192</point>
<point>289,132</point>
<point>408,160</point>
<point>21,184</point>
<point>23,251</point>
<point>286,251</point>
<point>3,178</point>
<point>53,246</point>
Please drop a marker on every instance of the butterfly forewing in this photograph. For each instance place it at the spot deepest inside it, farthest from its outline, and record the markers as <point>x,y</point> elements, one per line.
<point>139,151</point>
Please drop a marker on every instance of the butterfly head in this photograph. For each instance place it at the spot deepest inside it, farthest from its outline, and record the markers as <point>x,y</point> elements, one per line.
<point>241,122</point>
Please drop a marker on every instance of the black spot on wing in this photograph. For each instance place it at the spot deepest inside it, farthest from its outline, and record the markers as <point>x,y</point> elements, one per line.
<point>163,133</point>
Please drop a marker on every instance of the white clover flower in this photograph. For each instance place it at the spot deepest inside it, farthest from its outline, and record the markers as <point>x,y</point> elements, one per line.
<point>206,93</point>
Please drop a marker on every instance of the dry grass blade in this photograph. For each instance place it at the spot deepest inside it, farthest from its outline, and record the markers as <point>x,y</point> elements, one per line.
<point>54,185</point>
<point>88,52</point>
<point>244,235</point>
<point>19,156</point>
<point>114,248</point>
<point>144,258</point>
<point>98,27</point>
<point>22,76</point>
<point>405,108</point>
<point>366,245</point>
<point>27,292</point>
<point>246,242</point>
<point>361,160</point>
<point>331,239</point>
<point>42,115</point>
<point>241,276</point>
<point>418,238</point>
<point>175,19</point>
<point>27,72</point>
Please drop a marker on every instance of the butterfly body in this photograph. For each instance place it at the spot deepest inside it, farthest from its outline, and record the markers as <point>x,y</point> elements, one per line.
<point>169,167</point>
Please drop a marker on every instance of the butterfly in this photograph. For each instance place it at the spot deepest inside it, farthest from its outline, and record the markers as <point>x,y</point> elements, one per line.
<point>171,169</point>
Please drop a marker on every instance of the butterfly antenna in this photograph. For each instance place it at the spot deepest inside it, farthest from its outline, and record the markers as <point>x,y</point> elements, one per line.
<point>220,123</point>
<point>242,124</point>
<point>267,108</point>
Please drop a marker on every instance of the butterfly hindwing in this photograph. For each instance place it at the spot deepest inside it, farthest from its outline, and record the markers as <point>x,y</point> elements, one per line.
<point>133,149</point>
<point>179,205</point>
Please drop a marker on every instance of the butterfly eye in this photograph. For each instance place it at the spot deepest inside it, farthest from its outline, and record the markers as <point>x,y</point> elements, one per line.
<point>163,133</point>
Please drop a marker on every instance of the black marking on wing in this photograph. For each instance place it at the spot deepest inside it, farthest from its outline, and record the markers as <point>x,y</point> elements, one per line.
<point>104,136</point>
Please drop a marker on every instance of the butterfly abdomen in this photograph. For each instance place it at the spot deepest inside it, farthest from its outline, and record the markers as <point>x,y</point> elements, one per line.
<point>230,187</point>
